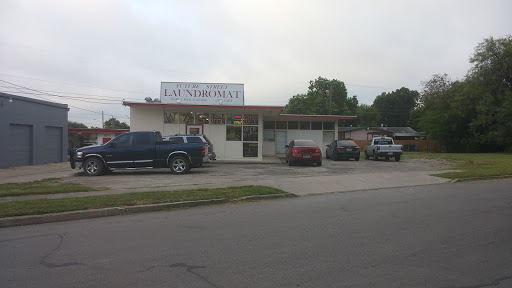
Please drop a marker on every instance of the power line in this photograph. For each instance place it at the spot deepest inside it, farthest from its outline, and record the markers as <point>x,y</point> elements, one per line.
<point>79,85</point>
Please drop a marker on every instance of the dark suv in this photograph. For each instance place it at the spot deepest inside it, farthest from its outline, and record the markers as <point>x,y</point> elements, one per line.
<point>194,138</point>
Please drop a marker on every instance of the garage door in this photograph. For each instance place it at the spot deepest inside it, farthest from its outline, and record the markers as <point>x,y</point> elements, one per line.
<point>20,145</point>
<point>53,144</point>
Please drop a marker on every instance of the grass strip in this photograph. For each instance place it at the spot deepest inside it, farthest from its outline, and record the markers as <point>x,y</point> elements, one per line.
<point>45,206</point>
<point>45,186</point>
<point>470,165</point>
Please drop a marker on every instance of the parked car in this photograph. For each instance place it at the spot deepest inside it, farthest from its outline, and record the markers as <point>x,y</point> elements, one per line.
<point>194,138</point>
<point>303,151</point>
<point>383,147</point>
<point>137,150</point>
<point>343,149</point>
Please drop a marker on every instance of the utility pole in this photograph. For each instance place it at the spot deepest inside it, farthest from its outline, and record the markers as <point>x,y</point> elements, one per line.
<point>329,92</point>
<point>102,120</point>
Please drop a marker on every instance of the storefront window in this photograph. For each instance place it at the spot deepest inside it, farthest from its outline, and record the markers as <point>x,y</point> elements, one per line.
<point>269,124</point>
<point>234,119</point>
<point>250,133</point>
<point>328,125</point>
<point>305,125</point>
<point>293,125</point>
<point>202,118</point>
<point>269,136</point>
<point>250,150</point>
<point>171,117</point>
<point>281,125</point>
<point>186,118</point>
<point>217,118</point>
<point>233,133</point>
<point>316,125</point>
<point>250,119</point>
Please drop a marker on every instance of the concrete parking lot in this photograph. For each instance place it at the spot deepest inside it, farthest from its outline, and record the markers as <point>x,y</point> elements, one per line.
<point>332,176</point>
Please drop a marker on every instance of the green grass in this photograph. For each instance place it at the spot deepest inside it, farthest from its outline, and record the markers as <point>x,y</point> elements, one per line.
<point>44,206</point>
<point>45,186</point>
<point>470,165</point>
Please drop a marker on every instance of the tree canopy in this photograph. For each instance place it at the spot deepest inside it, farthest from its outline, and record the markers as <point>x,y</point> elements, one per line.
<point>475,113</point>
<point>113,123</point>
<point>317,100</point>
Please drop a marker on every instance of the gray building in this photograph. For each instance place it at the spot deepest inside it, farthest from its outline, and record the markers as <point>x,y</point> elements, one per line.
<point>33,131</point>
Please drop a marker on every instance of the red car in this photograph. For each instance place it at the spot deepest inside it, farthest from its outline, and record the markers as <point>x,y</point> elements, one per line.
<point>303,151</point>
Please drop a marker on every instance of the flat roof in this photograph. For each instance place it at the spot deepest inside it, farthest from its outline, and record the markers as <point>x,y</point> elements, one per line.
<point>246,107</point>
<point>158,104</point>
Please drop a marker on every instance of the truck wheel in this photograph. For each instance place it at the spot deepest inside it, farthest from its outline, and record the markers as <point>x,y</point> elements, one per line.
<point>366,157</point>
<point>375,158</point>
<point>397,159</point>
<point>319,163</point>
<point>93,167</point>
<point>179,165</point>
<point>387,158</point>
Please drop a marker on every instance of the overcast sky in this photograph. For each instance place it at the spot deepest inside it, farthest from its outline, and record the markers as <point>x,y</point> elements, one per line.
<point>105,51</point>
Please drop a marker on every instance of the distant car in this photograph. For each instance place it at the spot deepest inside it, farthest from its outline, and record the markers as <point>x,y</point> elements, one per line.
<point>194,138</point>
<point>345,149</point>
<point>303,151</point>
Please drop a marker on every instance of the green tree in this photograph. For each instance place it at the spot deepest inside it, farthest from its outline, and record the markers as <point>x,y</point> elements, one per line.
<point>73,124</point>
<point>317,102</point>
<point>367,115</point>
<point>113,123</point>
<point>394,108</point>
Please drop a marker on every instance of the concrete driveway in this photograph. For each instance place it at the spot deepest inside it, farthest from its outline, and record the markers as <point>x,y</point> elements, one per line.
<point>332,176</point>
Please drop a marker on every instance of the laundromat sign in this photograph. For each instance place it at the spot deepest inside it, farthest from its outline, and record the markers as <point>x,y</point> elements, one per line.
<point>202,93</point>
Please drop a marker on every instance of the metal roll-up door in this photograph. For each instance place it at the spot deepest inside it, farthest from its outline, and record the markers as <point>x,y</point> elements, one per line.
<point>20,145</point>
<point>52,144</point>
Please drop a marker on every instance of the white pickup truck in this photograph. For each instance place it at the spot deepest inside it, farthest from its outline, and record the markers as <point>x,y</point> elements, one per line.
<point>383,147</point>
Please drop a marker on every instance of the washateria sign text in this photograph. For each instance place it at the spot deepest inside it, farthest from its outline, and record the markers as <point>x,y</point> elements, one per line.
<point>202,93</point>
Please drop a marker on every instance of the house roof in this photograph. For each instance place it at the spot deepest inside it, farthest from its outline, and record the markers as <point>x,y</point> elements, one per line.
<point>396,131</point>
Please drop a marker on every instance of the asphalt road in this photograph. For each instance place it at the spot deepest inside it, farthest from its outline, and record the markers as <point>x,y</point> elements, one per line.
<point>446,235</point>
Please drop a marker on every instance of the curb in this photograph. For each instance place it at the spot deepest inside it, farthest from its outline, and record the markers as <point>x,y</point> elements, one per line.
<point>481,178</point>
<point>117,211</point>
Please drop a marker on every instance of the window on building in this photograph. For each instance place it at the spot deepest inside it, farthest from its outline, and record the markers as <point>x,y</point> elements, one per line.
<point>250,133</point>
<point>328,125</point>
<point>186,118</point>
<point>250,150</point>
<point>293,125</point>
<point>202,118</point>
<point>281,125</point>
<point>234,119</point>
<point>233,133</point>
<point>305,125</point>
<point>250,119</point>
<point>316,125</point>
<point>269,124</point>
<point>217,118</point>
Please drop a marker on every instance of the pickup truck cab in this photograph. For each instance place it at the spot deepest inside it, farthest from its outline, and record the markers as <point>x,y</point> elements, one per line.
<point>143,149</point>
<point>383,147</point>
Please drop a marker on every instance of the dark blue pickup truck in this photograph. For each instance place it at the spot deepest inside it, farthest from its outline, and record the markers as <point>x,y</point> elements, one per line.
<point>138,150</point>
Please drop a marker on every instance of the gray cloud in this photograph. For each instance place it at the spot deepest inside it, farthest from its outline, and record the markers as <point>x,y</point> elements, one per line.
<point>274,47</point>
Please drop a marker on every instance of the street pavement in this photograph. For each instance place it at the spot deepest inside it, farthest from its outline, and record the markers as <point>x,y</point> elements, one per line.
<point>445,235</point>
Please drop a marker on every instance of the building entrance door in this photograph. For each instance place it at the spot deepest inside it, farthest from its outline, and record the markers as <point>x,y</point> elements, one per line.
<point>280,142</point>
